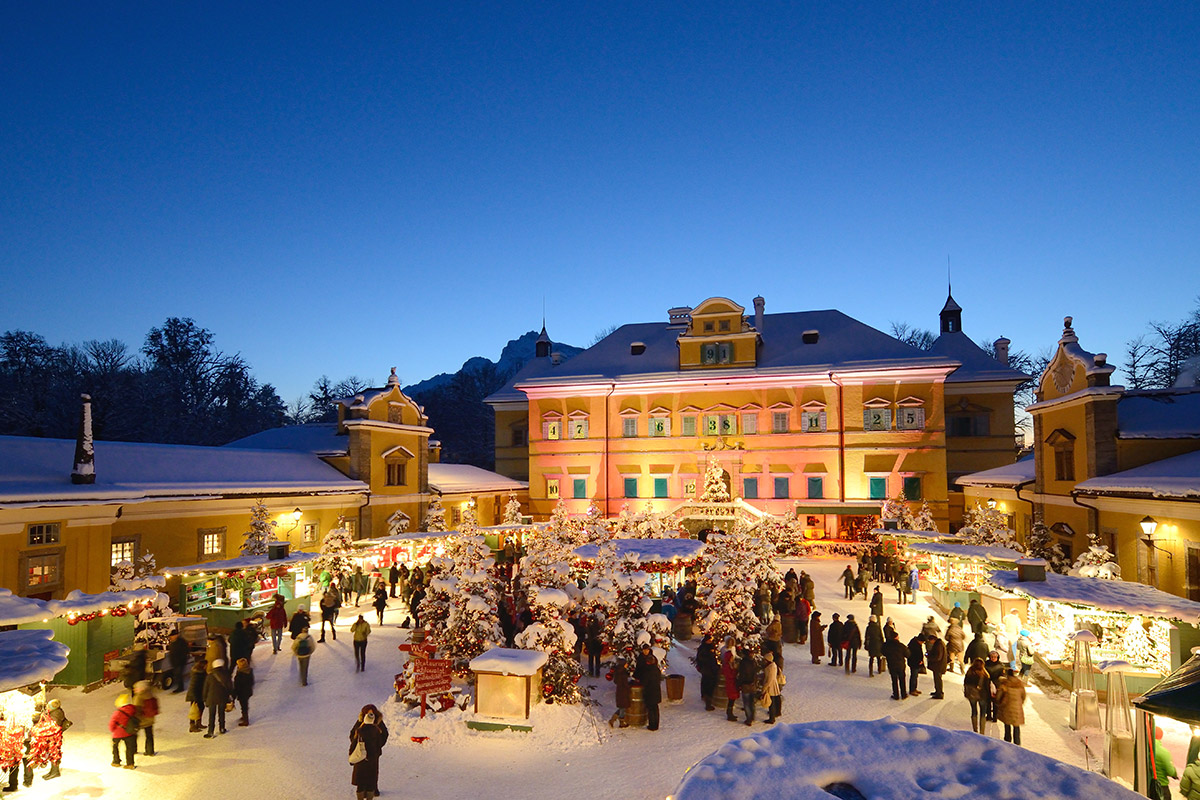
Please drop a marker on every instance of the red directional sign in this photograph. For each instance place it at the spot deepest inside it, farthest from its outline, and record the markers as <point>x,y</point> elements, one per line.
<point>432,675</point>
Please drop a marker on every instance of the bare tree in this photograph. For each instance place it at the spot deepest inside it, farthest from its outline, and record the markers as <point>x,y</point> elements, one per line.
<point>602,334</point>
<point>1138,354</point>
<point>920,338</point>
<point>350,386</point>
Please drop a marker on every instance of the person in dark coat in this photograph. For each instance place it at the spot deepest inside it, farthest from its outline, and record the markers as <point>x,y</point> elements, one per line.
<point>217,690</point>
<point>709,669</point>
<point>241,642</point>
<point>277,619</point>
<point>195,693</point>
<point>177,653</point>
<point>978,648</point>
<point>729,676</point>
<point>414,604</point>
<point>593,644</point>
<point>873,641</point>
<point>916,660</point>
<point>300,622</point>
<point>937,660</point>
<point>649,675</point>
<point>747,681</point>
<point>393,577</point>
<point>848,581</point>
<point>877,603</point>
<point>955,639</point>
<point>957,613</point>
<point>373,734</point>
<point>896,655</point>
<point>835,642</point>
<point>243,689</point>
<point>900,579</point>
<point>380,601</point>
<point>135,668</point>
<point>620,676</point>
<point>977,688</point>
<point>851,642</point>
<point>976,616</point>
<point>816,637</point>
<point>995,670</point>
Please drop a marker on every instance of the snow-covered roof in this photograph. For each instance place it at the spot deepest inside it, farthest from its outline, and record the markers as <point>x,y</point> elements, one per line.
<point>977,365</point>
<point>37,471</point>
<point>1159,414</point>
<point>508,661</point>
<point>465,478</point>
<point>245,563</point>
<point>319,438</point>
<point>844,344</point>
<point>928,536</point>
<point>77,602</point>
<point>1123,596</point>
<point>29,656</point>
<point>885,760</point>
<point>1008,475</point>
<point>1175,478</point>
<point>644,550</point>
<point>407,536</point>
<point>973,552</point>
<point>15,610</point>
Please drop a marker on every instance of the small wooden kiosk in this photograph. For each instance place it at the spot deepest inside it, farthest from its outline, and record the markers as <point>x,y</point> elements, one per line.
<point>225,592</point>
<point>507,684</point>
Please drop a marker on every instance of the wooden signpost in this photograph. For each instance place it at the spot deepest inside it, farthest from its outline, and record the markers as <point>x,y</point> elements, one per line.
<point>431,676</point>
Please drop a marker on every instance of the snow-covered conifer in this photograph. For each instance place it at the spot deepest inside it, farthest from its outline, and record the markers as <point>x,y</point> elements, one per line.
<point>1039,543</point>
<point>262,530</point>
<point>512,511</point>
<point>551,634</point>
<point>473,625</point>
<point>435,516</point>
<point>715,490</point>
<point>1097,561</point>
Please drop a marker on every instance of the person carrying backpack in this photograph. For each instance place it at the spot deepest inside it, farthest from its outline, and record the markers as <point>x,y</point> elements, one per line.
<point>303,648</point>
<point>123,725</point>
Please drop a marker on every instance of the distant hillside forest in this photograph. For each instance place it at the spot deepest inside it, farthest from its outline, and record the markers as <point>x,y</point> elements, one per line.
<point>179,389</point>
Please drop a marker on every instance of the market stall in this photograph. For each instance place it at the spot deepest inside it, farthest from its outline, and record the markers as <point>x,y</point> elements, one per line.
<point>895,541</point>
<point>663,560</point>
<point>411,549</point>
<point>225,592</point>
<point>27,657</point>
<point>1152,630</point>
<point>958,573</point>
<point>98,629</point>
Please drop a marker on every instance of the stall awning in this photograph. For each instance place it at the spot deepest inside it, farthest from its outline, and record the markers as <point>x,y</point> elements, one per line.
<point>857,509</point>
<point>1177,696</point>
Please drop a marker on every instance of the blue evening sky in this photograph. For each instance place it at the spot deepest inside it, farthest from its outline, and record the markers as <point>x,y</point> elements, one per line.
<point>341,188</point>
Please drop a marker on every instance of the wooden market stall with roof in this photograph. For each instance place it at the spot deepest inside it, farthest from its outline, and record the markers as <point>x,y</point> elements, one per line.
<point>226,592</point>
<point>958,573</point>
<point>1152,630</point>
<point>27,658</point>
<point>98,628</point>
<point>664,561</point>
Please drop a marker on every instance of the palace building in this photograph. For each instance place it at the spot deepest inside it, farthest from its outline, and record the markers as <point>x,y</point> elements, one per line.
<point>811,410</point>
<point>1122,465</point>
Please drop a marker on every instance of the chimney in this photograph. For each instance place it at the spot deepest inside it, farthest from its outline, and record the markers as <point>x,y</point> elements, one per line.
<point>679,316</point>
<point>1001,347</point>
<point>1031,569</point>
<point>84,470</point>
<point>759,305</point>
<point>556,358</point>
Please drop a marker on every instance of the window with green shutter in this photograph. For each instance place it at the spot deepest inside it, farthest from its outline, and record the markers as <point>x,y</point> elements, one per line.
<point>660,487</point>
<point>631,487</point>
<point>579,488</point>
<point>816,488</point>
<point>689,425</point>
<point>912,488</point>
<point>782,486</point>
<point>878,488</point>
<point>750,488</point>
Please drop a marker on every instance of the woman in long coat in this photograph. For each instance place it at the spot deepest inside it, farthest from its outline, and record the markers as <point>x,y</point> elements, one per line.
<point>649,675</point>
<point>371,731</point>
<point>873,640</point>
<point>624,697</point>
<point>1010,706</point>
<point>729,673</point>
<point>816,637</point>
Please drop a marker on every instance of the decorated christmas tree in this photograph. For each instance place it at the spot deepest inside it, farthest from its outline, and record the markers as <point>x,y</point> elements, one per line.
<point>262,530</point>
<point>735,563</point>
<point>1039,543</point>
<point>435,608</point>
<point>549,552</point>
<point>623,524</point>
<point>137,574</point>
<point>987,526</point>
<point>551,634</point>
<point>512,511</point>
<point>600,592</point>
<point>631,624</point>
<point>473,625</point>
<point>923,520</point>
<point>335,551</point>
<point>715,490</point>
<point>646,524</point>
<point>898,510</point>
<point>562,527</point>
<point>1097,561</point>
<point>435,516</point>
<point>1139,648</point>
<point>595,530</point>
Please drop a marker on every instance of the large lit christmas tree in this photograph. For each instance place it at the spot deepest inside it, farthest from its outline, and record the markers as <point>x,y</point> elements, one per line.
<point>551,634</point>
<point>336,547</point>
<point>631,624</point>
<point>734,564</point>
<point>715,490</point>
<point>262,530</point>
<point>435,608</point>
<point>473,625</point>
<point>435,516</point>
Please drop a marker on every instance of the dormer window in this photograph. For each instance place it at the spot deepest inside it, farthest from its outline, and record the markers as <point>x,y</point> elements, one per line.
<point>708,327</point>
<point>723,326</point>
<point>660,422</point>
<point>812,417</point>
<point>1063,442</point>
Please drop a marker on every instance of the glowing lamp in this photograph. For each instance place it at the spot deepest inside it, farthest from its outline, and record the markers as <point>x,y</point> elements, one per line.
<point>1149,525</point>
<point>991,503</point>
<point>297,514</point>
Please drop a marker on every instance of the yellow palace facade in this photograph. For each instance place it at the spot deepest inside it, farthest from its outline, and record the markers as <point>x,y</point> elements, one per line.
<point>807,410</point>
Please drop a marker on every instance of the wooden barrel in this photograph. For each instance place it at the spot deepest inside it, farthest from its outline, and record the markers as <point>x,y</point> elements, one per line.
<point>675,688</point>
<point>790,634</point>
<point>719,696</point>
<point>418,636</point>
<point>683,627</point>
<point>636,715</point>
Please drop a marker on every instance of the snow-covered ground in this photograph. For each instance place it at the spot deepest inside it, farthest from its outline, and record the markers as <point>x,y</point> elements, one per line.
<point>297,743</point>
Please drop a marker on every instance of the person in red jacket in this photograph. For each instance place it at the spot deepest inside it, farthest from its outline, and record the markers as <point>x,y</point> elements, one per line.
<point>123,726</point>
<point>729,673</point>
<point>278,618</point>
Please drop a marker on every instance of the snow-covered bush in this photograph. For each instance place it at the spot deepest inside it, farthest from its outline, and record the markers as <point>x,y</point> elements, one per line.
<point>1097,561</point>
<point>551,634</point>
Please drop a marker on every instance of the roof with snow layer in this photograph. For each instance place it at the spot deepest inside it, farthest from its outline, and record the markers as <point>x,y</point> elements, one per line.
<point>1009,475</point>
<point>37,471</point>
<point>844,344</point>
<point>1159,414</point>
<point>1176,478</point>
<point>1123,596</point>
<point>977,365</point>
